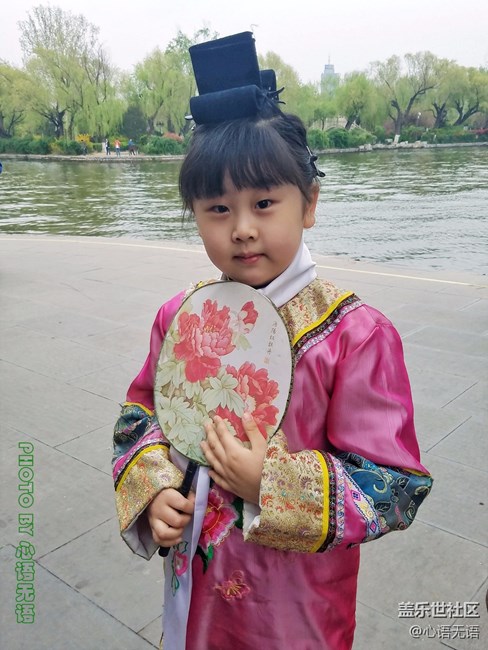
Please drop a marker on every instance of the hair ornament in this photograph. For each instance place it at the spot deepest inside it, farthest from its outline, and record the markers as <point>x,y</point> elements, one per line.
<point>230,84</point>
<point>313,158</point>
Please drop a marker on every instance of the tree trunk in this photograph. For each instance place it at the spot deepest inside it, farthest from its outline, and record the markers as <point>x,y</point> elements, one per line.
<point>350,121</point>
<point>440,112</point>
<point>398,120</point>
<point>71,126</point>
<point>465,116</point>
<point>57,119</point>
<point>3,134</point>
<point>398,126</point>
<point>58,122</point>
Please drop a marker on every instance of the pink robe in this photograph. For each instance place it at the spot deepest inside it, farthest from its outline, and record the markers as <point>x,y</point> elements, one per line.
<point>343,469</point>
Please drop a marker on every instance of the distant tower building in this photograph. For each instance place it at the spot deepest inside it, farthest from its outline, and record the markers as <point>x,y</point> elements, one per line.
<point>329,79</point>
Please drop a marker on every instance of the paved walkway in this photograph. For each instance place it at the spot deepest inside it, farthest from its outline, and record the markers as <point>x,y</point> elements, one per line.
<point>74,323</point>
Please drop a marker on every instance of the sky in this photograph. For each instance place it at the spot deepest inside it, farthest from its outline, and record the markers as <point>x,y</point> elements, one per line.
<point>306,35</point>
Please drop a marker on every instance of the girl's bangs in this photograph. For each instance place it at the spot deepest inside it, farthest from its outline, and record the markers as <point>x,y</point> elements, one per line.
<point>249,157</point>
<point>262,166</point>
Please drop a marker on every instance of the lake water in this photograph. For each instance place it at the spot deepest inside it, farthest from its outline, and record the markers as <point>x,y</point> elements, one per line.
<point>427,208</point>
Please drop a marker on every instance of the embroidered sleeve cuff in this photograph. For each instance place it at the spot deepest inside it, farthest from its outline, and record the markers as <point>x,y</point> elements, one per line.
<point>148,472</point>
<point>383,499</point>
<point>294,500</point>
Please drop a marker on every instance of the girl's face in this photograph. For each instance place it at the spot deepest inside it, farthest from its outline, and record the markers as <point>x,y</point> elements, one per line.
<point>252,235</point>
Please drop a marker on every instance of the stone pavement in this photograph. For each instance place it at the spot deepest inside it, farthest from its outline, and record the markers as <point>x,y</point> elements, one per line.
<point>74,325</point>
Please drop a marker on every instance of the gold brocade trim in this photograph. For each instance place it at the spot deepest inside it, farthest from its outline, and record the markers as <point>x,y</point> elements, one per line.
<point>416,472</point>
<point>324,317</point>
<point>311,307</point>
<point>306,311</point>
<point>144,450</point>
<point>291,500</point>
<point>150,472</point>
<point>325,516</point>
<point>141,406</point>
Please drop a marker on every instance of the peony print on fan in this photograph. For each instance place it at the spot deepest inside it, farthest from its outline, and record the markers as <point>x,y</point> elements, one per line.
<point>215,360</point>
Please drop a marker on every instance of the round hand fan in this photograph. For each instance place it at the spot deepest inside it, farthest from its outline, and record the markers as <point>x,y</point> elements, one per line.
<point>227,351</point>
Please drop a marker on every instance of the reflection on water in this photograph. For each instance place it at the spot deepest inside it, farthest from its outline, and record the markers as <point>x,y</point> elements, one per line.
<point>425,208</point>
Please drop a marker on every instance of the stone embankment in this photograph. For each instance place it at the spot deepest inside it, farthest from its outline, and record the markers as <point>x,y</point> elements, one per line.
<point>125,158</point>
<point>89,158</point>
<point>419,144</point>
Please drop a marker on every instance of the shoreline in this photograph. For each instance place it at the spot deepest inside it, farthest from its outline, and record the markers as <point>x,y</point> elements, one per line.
<point>358,268</point>
<point>141,157</point>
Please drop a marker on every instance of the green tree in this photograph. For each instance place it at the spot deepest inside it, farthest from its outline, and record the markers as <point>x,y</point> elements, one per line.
<point>102,104</point>
<point>355,96</point>
<point>437,100</point>
<point>133,123</point>
<point>307,104</point>
<point>469,94</point>
<point>178,105</point>
<point>403,84</point>
<point>327,107</point>
<point>62,53</point>
<point>163,83</point>
<point>287,78</point>
<point>14,91</point>
<point>153,82</point>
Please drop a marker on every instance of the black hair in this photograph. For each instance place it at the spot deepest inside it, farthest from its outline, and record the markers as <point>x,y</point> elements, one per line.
<point>263,151</point>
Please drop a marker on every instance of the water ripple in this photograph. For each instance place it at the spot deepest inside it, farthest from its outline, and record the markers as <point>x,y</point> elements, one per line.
<point>423,208</point>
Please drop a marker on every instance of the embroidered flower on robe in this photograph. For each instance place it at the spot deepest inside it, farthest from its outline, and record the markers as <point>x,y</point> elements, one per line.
<point>179,565</point>
<point>235,588</point>
<point>257,391</point>
<point>219,518</point>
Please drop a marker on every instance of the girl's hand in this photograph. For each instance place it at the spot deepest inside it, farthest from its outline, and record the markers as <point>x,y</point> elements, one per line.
<point>233,466</point>
<point>168,514</point>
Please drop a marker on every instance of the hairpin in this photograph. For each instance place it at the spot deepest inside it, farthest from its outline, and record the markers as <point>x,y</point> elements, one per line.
<point>313,158</point>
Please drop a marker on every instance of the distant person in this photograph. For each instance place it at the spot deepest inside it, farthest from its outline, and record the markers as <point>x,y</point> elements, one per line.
<point>107,147</point>
<point>117,147</point>
<point>276,535</point>
<point>131,147</point>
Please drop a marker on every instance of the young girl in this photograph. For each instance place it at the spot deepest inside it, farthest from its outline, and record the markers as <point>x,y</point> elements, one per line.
<point>344,465</point>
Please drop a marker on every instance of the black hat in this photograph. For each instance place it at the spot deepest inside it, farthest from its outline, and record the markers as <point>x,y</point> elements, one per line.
<point>229,81</point>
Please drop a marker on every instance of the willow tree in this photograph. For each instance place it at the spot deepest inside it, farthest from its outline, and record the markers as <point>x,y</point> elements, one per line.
<point>14,92</point>
<point>163,83</point>
<point>287,77</point>
<point>178,105</point>
<point>404,83</point>
<point>355,97</point>
<point>306,104</point>
<point>150,86</point>
<point>61,50</point>
<point>438,99</point>
<point>103,103</point>
<point>469,93</point>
